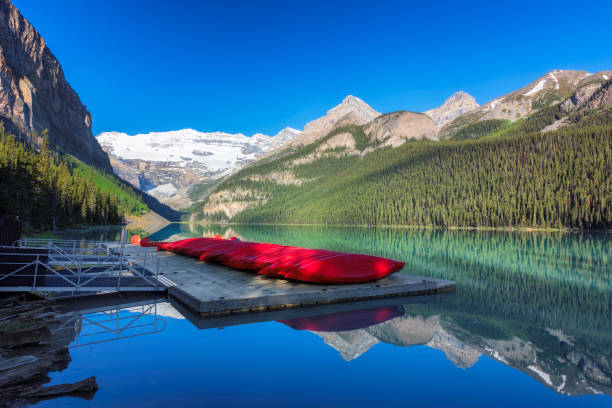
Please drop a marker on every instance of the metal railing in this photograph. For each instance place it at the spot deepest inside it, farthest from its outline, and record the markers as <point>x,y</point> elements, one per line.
<point>113,324</point>
<point>63,265</point>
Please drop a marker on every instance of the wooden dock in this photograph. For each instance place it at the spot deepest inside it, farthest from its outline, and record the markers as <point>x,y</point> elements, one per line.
<point>203,322</point>
<point>213,290</point>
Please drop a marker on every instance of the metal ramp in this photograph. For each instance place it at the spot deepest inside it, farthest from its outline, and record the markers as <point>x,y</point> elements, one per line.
<point>37,265</point>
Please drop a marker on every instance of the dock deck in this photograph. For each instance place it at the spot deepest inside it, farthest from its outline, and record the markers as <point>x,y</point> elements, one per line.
<point>210,290</point>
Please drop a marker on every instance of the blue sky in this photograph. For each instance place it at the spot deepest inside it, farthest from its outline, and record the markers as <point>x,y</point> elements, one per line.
<point>257,66</point>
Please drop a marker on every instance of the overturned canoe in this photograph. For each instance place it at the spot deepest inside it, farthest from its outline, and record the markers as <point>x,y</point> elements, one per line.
<point>294,263</point>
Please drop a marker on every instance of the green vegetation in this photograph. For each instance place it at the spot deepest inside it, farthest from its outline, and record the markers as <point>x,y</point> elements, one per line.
<point>128,198</point>
<point>361,139</point>
<point>558,179</point>
<point>460,122</point>
<point>505,129</point>
<point>479,129</point>
<point>198,190</point>
<point>47,190</point>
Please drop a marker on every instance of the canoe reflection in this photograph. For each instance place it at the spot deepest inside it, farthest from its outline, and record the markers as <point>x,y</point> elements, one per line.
<point>344,321</point>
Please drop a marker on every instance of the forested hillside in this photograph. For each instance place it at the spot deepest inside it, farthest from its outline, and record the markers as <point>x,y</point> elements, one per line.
<point>521,177</point>
<point>43,188</point>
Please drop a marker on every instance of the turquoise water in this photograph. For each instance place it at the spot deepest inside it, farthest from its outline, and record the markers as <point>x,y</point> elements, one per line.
<point>530,324</point>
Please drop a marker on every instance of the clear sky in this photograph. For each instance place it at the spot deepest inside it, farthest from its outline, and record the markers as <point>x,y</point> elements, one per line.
<point>258,66</point>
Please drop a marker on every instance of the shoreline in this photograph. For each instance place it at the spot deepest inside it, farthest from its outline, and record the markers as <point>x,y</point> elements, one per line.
<point>423,227</point>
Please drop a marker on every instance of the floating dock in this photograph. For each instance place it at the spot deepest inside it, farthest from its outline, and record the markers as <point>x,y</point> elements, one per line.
<point>214,290</point>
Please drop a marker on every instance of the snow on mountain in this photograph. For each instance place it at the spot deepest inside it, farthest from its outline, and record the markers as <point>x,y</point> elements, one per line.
<point>167,164</point>
<point>213,151</point>
<point>538,88</point>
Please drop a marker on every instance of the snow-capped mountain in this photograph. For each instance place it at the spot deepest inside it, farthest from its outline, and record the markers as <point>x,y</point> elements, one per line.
<point>167,164</point>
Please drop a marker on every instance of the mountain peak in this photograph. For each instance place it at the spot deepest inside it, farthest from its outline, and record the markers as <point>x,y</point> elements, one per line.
<point>456,105</point>
<point>352,99</point>
<point>352,104</point>
<point>460,97</point>
<point>286,134</point>
<point>351,110</point>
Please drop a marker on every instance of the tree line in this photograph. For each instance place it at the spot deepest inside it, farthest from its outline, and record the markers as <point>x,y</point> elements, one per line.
<point>557,179</point>
<point>45,190</point>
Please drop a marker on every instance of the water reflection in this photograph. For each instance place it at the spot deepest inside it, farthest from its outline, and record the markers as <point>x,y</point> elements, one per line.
<point>114,323</point>
<point>566,364</point>
<point>539,302</point>
<point>345,321</point>
<point>36,338</point>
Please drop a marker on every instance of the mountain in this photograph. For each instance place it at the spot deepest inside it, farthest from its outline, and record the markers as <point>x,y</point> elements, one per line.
<point>61,176</point>
<point>351,111</point>
<point>394,170</point>
<point>456,105</point>
<point>549,89</point>
<point>167,165</point>
<point>34,94</point>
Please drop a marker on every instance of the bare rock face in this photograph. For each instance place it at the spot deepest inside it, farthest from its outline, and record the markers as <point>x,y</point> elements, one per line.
<point>232,202</point>
<point>352,111</point>
<point>592,96</point>
<point>34,94</point>
<point>393,129</point>
<point>553,87</point>
<point>459,103</point>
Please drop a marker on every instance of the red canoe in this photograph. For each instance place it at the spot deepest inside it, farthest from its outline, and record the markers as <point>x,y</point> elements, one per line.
<point>299,264</point>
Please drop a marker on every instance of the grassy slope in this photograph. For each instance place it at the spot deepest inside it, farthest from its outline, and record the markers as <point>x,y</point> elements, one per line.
<point>129,198</point>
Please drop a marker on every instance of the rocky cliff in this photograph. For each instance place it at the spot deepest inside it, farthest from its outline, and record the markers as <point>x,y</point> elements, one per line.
<point>553,87</point>
<point>459,103</point>
<point>393,129</point>
<point>34,95</point>
<point>351,111</point>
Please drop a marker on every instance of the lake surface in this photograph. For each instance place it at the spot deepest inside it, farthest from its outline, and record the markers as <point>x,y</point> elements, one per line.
<point>530,324</point>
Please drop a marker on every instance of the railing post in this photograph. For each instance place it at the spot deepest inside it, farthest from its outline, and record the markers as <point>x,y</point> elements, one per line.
<point>144,264</point>
<point>79,272</point>
<point>157,278</point>
<point>35,273</point>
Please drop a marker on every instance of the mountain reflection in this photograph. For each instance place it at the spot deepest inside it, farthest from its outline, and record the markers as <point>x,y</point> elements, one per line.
<point>537,301</point>
<point>565,363</point>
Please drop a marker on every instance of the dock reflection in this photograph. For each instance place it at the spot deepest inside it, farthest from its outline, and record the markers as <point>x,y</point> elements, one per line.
<point>568,363</point>
<point>36,339</point>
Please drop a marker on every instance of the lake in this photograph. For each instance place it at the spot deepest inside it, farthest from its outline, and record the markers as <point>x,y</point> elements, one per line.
<point>530,324</point>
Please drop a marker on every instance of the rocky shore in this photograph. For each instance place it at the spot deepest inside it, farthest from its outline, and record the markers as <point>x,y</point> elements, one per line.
<point>34,339</point>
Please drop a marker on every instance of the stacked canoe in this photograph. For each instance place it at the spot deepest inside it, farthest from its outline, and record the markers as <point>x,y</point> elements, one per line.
<point>294,263</point>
